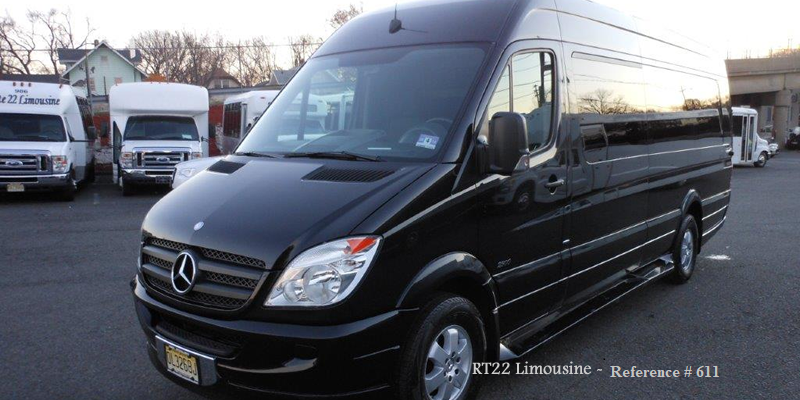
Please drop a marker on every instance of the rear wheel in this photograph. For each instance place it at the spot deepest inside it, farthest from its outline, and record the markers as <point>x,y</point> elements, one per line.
<point>436,362</point>
<point>685,250</point>
<point>762,160</point>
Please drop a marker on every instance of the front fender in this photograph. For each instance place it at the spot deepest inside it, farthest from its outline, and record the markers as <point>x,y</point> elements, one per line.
<point>447,268</point>
<point>462,274</point>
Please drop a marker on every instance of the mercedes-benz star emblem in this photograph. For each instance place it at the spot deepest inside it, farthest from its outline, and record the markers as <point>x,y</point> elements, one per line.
<point>198,226</point>
<point>184,272</point>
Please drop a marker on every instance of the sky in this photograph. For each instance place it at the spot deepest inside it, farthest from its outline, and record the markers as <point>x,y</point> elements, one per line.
<point>732,27</point>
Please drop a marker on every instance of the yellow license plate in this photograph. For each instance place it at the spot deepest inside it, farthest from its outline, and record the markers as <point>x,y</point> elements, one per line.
<point>15,187</point>
<point>182,364</point>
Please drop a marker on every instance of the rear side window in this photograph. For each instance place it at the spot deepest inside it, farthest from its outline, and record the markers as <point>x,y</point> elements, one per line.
<point>231,120</point>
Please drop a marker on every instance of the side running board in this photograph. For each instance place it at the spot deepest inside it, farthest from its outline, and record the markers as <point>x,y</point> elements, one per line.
<point>634,280</point>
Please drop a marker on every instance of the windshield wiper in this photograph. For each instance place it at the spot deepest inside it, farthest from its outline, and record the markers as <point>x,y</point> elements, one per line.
<point>253,154</point>
<point>336,155</point>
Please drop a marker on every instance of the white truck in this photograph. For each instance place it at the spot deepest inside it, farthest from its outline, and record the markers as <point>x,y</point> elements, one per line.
<point>46,138</point>
<point>748,147</point>
<point>240,112</point>
<point>156,125</point>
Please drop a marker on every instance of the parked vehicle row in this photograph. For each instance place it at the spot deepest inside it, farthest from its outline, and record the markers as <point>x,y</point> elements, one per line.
<point>422,196</point>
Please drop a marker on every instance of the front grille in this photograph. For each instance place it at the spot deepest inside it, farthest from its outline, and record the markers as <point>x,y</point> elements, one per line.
<point>225,281</point>
<point>160,159</point>
<point>24,163</point>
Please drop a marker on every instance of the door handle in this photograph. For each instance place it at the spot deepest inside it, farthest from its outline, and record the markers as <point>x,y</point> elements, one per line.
<point>554,184</point>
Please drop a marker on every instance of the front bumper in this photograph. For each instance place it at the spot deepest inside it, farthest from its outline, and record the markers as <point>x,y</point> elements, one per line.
<point>291,360</point>
<point>148,176</point>
<point>35,182</point>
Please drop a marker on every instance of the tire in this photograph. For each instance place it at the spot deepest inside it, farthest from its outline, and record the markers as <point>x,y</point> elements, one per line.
<point>445,316</point>
<point>68,193</point>
<point>762,160</point>
<point>685,251</point>
<point>127,188</point>
<point>91,174</point>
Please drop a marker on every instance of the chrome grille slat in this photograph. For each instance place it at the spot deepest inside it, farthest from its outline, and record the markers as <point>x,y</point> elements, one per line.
<point>11,163</point>
<point>223,285</point>
<point>160,158</point>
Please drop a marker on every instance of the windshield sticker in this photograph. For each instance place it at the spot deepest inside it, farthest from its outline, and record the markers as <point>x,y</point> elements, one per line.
<point>427,141</point>
<point>186,136</point>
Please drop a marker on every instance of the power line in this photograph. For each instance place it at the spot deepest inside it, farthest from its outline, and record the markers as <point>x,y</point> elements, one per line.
<point>194,47</point>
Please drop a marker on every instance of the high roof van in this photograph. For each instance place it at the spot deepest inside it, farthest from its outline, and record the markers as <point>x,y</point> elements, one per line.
<point>500,171</point>
<point>156,125</point>
<point>46,138</point>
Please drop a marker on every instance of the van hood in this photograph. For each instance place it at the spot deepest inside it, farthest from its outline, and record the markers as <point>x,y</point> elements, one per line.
<point>55,148</point>
<point>269,208</point>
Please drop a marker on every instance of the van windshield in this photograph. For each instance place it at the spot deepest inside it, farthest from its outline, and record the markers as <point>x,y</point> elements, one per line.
<point>161,128</point>
<point>395,103</point>
<point>31,128</point>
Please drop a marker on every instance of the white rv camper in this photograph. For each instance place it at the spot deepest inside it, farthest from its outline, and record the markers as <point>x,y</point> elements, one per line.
<point>748,147</point>
<point>156,126</point>
<point>239,114</point>
<point>46,138</point>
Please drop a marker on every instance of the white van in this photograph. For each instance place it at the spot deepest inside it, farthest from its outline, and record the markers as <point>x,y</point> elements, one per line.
<point>748,147</point>
<point>156,125</point>
<point>46,138</point>
<point>239,114</point>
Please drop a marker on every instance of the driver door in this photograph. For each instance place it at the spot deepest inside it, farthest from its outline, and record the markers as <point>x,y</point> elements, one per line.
<point>522,215</point>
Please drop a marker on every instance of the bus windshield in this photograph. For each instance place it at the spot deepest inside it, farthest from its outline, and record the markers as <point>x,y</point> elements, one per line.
<point>395,103</point>
<point>161,128</point>
<point>31,128</point>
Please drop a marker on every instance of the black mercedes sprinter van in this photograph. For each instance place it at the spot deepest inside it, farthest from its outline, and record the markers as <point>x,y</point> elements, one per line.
<point>455,183</point>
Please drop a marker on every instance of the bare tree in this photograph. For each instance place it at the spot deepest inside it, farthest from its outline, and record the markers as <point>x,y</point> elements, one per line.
<point>204,55</point>
<point>251,61</point>
<point>603,102</point>
<point>302,48</point>
<point>342,15</point>
<point>163,53</point>
<point>58,32</point>
<point>17,47</point>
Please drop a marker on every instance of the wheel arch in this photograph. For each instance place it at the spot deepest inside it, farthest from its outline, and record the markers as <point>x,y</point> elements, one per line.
<point>461,274</point>
<point>693,205</point>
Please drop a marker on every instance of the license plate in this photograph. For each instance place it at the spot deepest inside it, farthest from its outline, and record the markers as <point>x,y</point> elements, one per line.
<point>182,364</point>
<point>15,187</point>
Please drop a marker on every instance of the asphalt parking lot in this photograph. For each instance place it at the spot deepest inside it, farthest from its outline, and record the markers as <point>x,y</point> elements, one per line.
<point>69,329</point>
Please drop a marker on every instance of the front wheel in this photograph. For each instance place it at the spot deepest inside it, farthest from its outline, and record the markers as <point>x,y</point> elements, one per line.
<point>127,188</point>
<point>762,160</point>
<point>436,362</point>
<point>68,192</point>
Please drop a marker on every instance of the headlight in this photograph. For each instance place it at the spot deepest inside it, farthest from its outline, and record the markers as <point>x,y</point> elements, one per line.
<point>196,155</point>
<point>325,274</point>
<point>186,172</point>
<point>126,159</point>
<point>60,164</point>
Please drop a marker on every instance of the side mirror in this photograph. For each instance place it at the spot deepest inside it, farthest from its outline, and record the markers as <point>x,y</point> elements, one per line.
<point>508,142</point>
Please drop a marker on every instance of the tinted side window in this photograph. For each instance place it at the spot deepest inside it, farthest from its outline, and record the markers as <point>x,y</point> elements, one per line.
<point>684,106</point>
<point>231,120</point>
<point>609,93</point>
<point>532,91</point>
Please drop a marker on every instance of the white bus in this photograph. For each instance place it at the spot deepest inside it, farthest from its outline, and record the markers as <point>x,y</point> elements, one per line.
<point>46,138</point>
<point>156,126</point>
<point>748,147</point>
<point>240,112</point>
